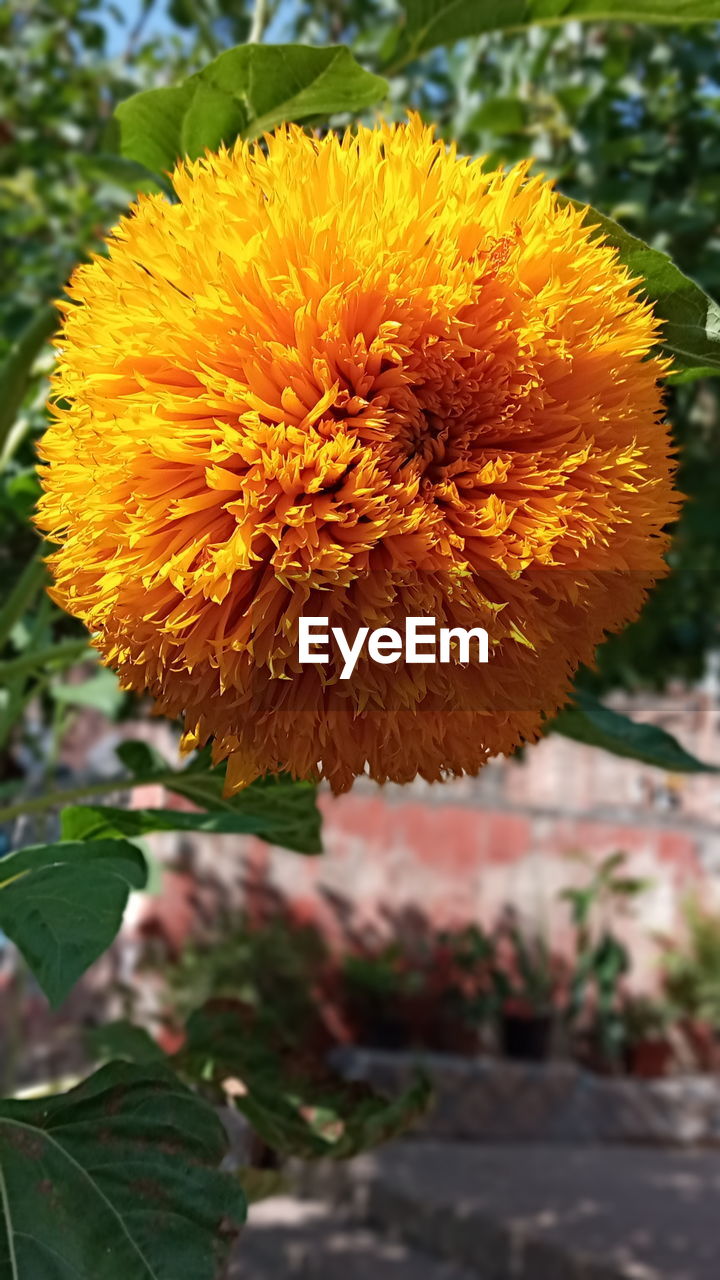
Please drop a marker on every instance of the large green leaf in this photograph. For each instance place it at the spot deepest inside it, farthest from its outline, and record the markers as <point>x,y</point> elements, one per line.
<point>280,810</point>
<point>116,1180</point>
<point>85,822</point>
<point>245,91</point>
<point>291,1097</point>
<point>691,320</point>
<point>586,720</point>
<point>62,905</point>
<point>433,22</point>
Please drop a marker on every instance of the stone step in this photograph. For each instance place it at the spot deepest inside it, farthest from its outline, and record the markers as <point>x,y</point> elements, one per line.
<point>497,1100</point>
<point>527,1212</point>
<point>290,1239</point>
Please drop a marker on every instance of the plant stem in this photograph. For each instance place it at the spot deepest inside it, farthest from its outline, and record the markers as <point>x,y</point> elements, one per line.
<point>14,438</point>
<point>23,593</point>
<point>66,652</point>
<point>65,795</point>
<point>137,30</point>
<point>259,18</point>
<point>204,26</point>
<point>16,369</point>
<point>101,787</point>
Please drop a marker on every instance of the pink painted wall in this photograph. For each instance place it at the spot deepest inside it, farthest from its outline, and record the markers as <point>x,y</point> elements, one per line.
<point>521,832</point>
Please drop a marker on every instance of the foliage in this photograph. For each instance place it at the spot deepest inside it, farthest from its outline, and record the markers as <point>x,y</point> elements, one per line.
<point>601,958</point>
<point>292,1099</point>
<point>275,809</point>
<point>245,92</point>
<point>432,989</point>
<point>434,22</point>
<point>607,889</point>
<point>274,996</point>
<point>690,319</point>
<point>587,720</point>
<point>253,1014</point>
<point>253,1005</point>
<point>62,905</point>
<point>18,363</point>
<point>645,1019</point>
<point>117,1178</point>
<point>123,1041</point>
<point>277,965</point>
<point>692,971</point>
<point>525,972</point>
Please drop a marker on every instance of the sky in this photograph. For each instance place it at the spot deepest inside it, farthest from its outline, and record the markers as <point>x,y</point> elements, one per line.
<point>120,16</point>
<point>157,23</point>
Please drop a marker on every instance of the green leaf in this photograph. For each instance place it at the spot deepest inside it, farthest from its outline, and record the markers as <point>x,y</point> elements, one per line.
<point>100,691</point>
<point>122,1039</point>
<point>85,822</point>
<point>279,810</point>
<point>140,758</point>
<point>245,91</point>
<point>16,368</point>
<point>117,1179</point>
<point>586,720</point>
<point>124,173</point>
<point>434,22</point>
<point>150,126</point>
<point>335,1120</point>
<point>62,905</point>
<point>691,320</point>
<point>292,1099</point>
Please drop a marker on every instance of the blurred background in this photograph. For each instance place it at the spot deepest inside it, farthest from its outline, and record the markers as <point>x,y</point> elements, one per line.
<point>549,933</point>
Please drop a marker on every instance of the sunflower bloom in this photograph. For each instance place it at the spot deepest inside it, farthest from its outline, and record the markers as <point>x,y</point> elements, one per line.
<point>359,378</point>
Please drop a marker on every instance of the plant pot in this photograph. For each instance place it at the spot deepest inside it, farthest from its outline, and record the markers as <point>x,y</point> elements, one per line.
<point>650,1059</point>
<point>592,1058</point>
<point>376,1024</point>
<point>526,1038</point>
<point>704,1044</point>
<point>452,1035</point>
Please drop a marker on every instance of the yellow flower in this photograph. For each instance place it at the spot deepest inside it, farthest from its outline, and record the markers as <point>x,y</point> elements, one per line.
<point>358,378</point>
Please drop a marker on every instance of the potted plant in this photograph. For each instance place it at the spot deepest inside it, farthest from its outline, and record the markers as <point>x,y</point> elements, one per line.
<point>525,983</point>
<point>594,1012</point>
<point>692,984</point>
<point>595,1009</point>
<point>460,974</point>
<point>381,995</point>
<point>431,991</point>
<point>649,1050</point>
